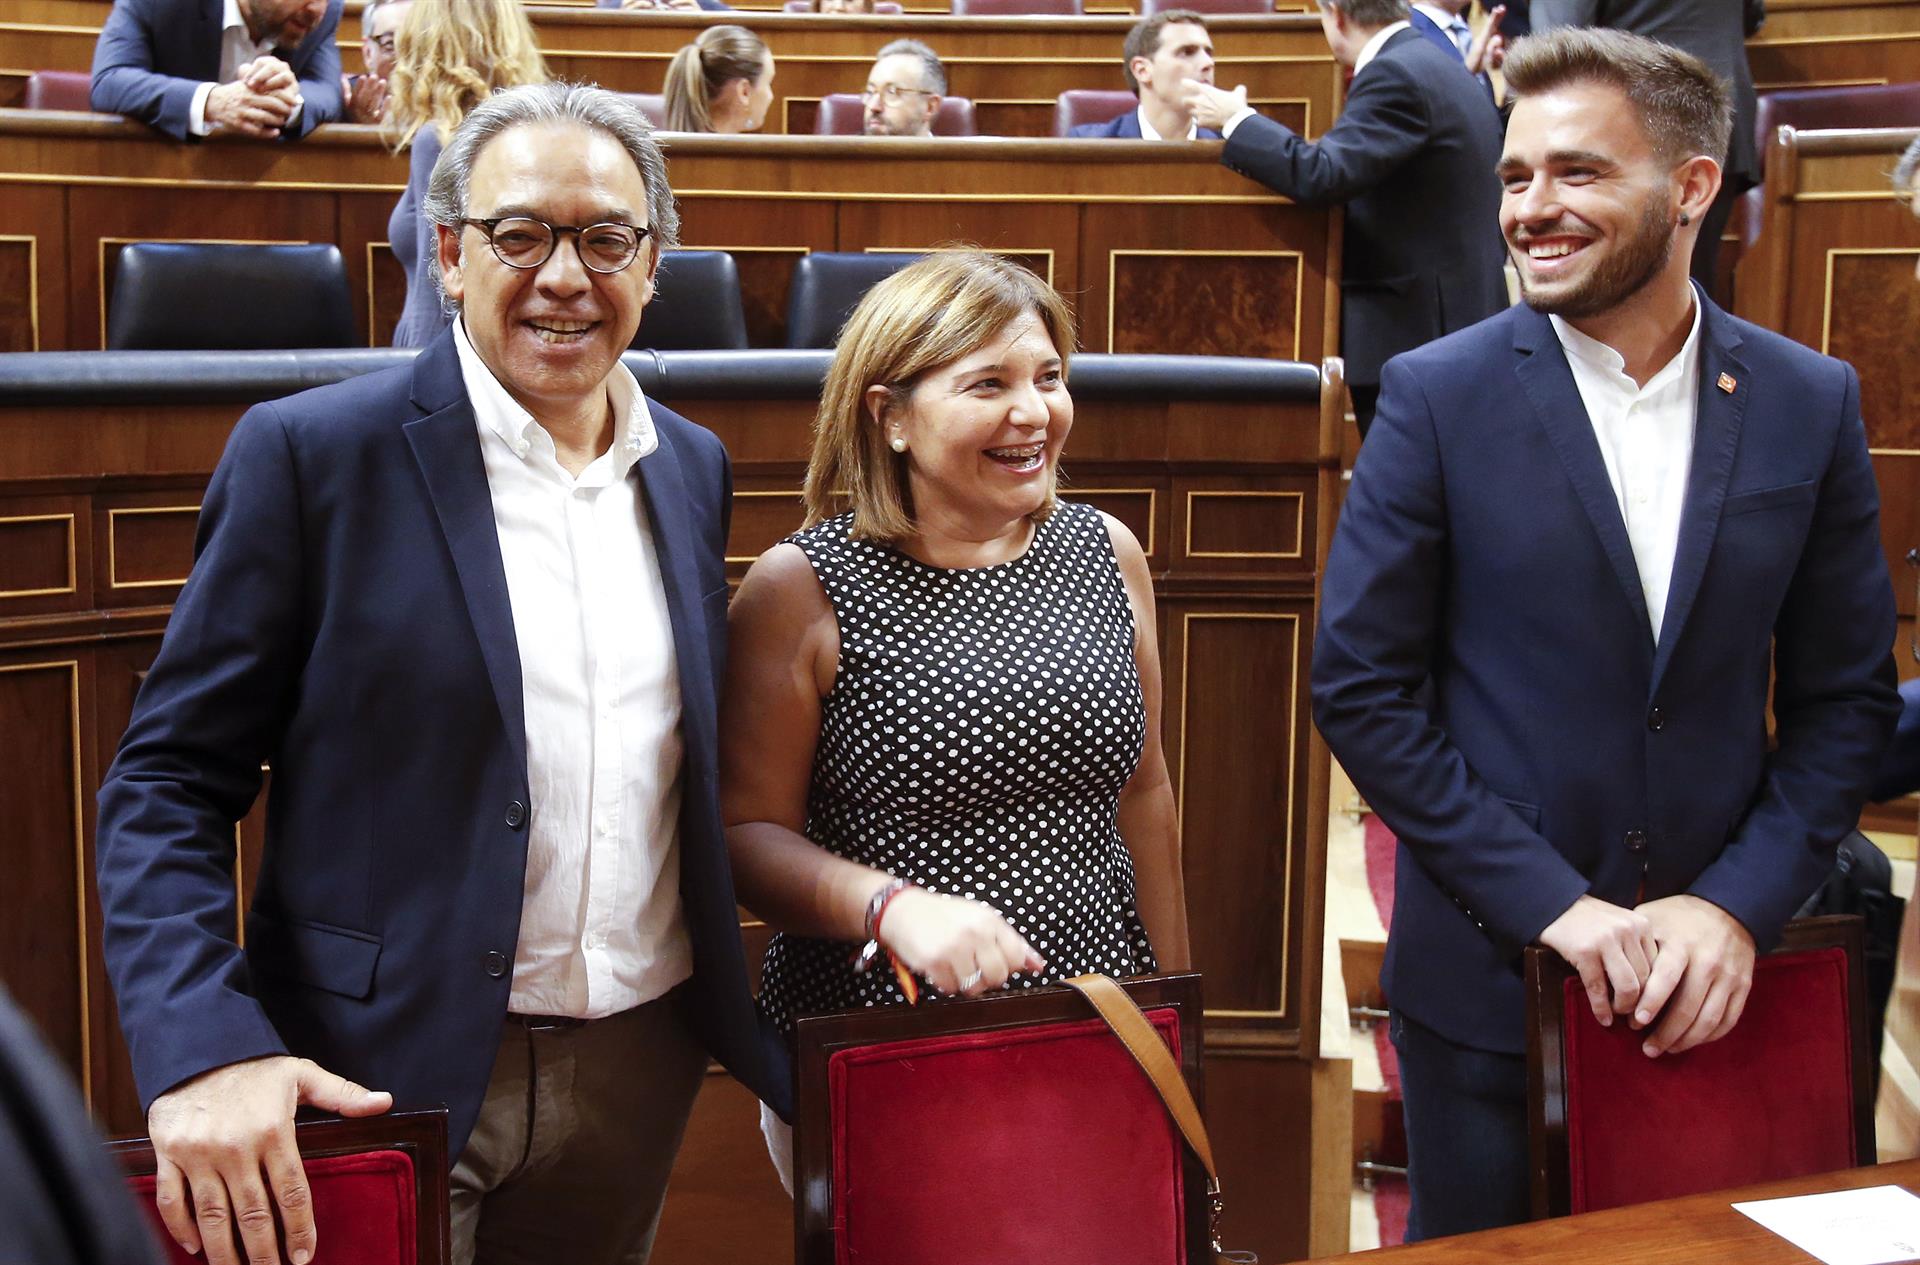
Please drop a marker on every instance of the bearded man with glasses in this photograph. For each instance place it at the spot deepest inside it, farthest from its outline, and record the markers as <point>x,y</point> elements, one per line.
<point>903,90</point>
<point>473,611</point>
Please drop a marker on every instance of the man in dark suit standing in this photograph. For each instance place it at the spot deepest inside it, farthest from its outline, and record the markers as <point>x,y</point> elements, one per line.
<point>1716,32</point>
<point>1443,23</point>
<point>1162,54</point>
<point>267,69</point>
<point>1584,541</point>
<point>1411,157</point>
<point>473,611</point>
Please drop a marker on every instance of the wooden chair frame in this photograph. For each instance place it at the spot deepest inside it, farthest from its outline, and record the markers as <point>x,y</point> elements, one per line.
<point>819,1037</point>
<point>422,1135</point>
<point>1547,1140</point>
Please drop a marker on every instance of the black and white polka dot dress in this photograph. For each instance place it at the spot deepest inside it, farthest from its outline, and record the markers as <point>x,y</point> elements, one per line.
<point>976,740</point>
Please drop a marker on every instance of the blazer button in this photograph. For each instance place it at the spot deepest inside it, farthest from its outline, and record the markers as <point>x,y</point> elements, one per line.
<point>496,963</point>
<point>516,814</point>
<point>1655,720</point>
<point>1636,841</point>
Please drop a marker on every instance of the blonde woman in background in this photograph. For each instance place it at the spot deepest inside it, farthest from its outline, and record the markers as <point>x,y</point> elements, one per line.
<point>722,82</point>
<point>450,55</point>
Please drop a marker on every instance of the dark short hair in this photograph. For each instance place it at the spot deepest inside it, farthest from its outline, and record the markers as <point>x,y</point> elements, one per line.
<point>1685,109</point>
<point>1144,39</point>
<point>1370,14</point>
<point>932,74</point>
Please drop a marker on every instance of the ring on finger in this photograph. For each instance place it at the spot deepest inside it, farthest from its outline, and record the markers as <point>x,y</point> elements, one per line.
<point>971,979</point>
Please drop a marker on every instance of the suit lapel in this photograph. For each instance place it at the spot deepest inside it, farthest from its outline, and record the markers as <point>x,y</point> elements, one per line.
<point>1716,438</point>
<point>446,444</point>
<point>674,543</point>
<point>1548,382</point>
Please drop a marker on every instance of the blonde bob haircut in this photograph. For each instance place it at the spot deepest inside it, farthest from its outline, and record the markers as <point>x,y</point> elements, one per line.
<point>450,55</point>
<point>926,316</point>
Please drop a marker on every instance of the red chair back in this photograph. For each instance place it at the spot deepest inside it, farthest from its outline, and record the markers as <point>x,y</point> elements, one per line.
<point>651,104</point>
<point>59,90</point>
<point>379,1189</point>
<point>1151,7</point>
<point>844,114</point>
<point>1016,8</point>
<point>1077,107</point>
<point>1064,1149</point>
<point>1865,105</point>
<point>1785,1094</point>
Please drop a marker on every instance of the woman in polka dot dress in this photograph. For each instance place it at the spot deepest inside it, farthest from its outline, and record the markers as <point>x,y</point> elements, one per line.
<point>942,713</point>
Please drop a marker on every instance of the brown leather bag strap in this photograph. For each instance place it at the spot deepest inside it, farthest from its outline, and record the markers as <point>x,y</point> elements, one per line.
<point>1151,1053</point>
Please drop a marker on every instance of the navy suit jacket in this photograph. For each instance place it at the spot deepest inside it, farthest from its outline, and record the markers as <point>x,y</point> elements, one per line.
<point>347,621</point>
<point>153,55</point>
<point>1429,29</point>
<point>1412,157</point>
<point>1126,126</point>
<point>1486,672</point>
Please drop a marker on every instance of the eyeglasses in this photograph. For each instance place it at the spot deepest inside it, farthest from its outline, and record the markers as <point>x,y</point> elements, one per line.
<point>523,242</point>
<point>382,42</point>
<point>892,94</point>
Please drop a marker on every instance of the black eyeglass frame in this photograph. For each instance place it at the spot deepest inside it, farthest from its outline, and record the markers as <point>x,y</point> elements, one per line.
<point>490,226</point>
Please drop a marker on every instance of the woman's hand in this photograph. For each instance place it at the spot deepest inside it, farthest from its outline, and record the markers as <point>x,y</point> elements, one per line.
<point>960,946</point>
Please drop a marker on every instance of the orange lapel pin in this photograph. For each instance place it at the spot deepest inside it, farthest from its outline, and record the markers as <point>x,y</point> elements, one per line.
<point>1727,383</point>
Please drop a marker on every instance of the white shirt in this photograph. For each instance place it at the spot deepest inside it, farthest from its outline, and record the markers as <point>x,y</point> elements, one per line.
<point>1368,52</point>
<point>601,928</point>
<point>1646,439</point>
<point>1147,133</point>
<point>237,48</point>
<point>1452,23</point>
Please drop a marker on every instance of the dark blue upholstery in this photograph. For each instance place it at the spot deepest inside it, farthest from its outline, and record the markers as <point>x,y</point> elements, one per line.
<point>826,289</point>
<point>208,296</point>
<point>696,304</point>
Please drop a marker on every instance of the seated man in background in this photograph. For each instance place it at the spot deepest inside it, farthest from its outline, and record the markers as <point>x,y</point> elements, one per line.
<point>366,95</point>
<point>269,71</point>
<point>904,90</point>
<point>1162,55</point>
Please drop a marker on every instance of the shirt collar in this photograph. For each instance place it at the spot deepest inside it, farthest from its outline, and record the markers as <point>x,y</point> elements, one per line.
<point>1602,357</point>
<point>496,411</point>
<point>1372,49</point>
<point>1147,132</point>
<point>230,18</point>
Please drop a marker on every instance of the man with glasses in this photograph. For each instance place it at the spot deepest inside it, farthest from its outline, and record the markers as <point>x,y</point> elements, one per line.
<point>903,90</point>
<point>366,95</point>
<point>472,610</point>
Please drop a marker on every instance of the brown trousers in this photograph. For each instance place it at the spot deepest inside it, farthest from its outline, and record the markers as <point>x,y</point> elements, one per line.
<point>576,1137</point>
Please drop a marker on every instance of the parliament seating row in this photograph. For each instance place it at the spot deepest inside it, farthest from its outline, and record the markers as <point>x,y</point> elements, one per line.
<point>1226,470</point>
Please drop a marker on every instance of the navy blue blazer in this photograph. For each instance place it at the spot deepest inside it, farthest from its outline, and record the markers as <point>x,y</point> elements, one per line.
<point>1416,132</point>
<point>153,55</point>
<point>1432,32</point>
<point>1126,126</point>
<point>1486,672</point>
<point>347,621</point>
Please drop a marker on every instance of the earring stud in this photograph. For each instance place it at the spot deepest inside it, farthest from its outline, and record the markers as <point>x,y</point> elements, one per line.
<point>899,444</point>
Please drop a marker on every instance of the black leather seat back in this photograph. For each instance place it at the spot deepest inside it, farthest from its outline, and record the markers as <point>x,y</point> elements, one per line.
<point>696,304</point>
<point>219,297</point>
<point>826,289</point>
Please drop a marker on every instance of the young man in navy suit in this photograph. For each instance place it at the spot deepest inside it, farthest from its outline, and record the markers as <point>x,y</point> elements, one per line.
<point>266,69</point>
<point>1163,54</point>
<point>1583,541</point>
<point>1411,159</point>
<point>473,612</point>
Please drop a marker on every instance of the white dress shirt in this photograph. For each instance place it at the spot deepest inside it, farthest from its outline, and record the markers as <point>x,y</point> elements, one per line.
<point>1646,439</point>
<point>237,48</point>
<point>1148,134</point>
<point>601,927</point>
<point>1369,51</point>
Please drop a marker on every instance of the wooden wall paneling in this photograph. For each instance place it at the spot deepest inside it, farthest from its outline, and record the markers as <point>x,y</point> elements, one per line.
<point>45,548</point>
<point>724,1201</point>
<point>144,542</point>
<point>27,46</point>
<point>103,219</point>
<point>374,275</point>
<point>765,239</point>
<point>33,266</point>
<point>1041,235</point>
<point>1258,1109</point>
<point>1224,526</point>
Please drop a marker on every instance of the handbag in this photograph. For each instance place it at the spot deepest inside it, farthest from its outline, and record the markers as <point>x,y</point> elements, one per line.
<point>1137,1035</point>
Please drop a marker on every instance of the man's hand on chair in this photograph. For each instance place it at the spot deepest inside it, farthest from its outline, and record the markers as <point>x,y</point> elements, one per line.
<point>226,1156</point>
<point>1701,974</point>
<point>1612,949</point>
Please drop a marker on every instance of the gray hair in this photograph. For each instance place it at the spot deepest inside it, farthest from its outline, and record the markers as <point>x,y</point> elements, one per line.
<point>932,73</point>
<point>531,105</point>
<point>1908,166</point>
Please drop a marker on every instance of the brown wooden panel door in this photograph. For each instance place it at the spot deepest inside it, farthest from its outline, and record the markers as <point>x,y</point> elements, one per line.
<point>33,267</point>
<point>378,282</point>
<point>1039,235</point>
<point>144,543</point>
<point>1222,525</point>
<point>45,542</point>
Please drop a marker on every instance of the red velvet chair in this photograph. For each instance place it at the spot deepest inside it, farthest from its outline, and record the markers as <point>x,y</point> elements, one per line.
<point>1016,8</point>
<point>1787,1093</point>
<point>651,104</point>
<point>59,90</point>
<point>1864,105</point>
<point>1015,1128</point>
<point>1150,7</point>
<point>379,1189</point>
<point>880,7</point>
<point>1076,107</point>
<point>844,114</point>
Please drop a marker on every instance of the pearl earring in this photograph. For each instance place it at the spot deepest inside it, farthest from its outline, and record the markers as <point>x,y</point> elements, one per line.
<point>899,444</point>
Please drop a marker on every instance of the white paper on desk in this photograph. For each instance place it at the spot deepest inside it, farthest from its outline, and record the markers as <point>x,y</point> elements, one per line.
<point>1847,1227</point>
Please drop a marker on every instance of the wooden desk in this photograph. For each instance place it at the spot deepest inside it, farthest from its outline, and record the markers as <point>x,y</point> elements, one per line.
<point>1012,68</point>
<point>1160,247</point>
<point>1697,1230</point>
